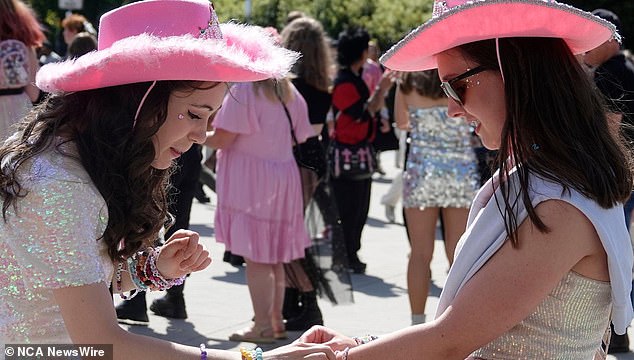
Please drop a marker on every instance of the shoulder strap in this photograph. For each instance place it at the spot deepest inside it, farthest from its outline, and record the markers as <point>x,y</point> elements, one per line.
<point>288,116</point>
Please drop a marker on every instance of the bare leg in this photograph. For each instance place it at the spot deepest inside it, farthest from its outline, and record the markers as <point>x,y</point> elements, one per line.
<point>421,226</point>
<point>277,321</point>
<point>262,284</point>
<point>455,220</point>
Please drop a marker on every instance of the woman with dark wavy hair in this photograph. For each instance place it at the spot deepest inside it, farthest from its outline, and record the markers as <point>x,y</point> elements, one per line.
<point>545,263</point>
<point>83,181</point>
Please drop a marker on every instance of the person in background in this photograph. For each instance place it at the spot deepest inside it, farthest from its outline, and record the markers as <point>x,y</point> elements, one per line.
<point>82,43</point>
<point>355,112</point>
<point>20,35</point>
<point>613,74</point>
<point>545,263</point>
<point>84,180</point>
<point>259,211</point>
<point>72,25</point>
<point>440,177</point>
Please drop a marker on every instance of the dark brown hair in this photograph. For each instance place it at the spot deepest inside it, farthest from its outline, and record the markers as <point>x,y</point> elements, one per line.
<point>555,125</point>
<point>116,155</point>
<point>425,83</point>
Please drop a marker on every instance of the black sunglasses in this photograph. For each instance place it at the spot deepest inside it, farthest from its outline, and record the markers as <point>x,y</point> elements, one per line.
<point>457,95</point>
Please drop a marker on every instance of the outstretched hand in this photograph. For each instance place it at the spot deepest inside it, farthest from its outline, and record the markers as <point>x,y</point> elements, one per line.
<point>182,254</point>
<point>328,337</point>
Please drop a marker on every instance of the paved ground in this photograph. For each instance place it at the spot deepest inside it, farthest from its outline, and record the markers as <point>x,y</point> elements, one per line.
<point>218,301</point>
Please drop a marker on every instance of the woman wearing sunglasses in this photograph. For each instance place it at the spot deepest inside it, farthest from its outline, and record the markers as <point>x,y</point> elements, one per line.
<point>545,262</point>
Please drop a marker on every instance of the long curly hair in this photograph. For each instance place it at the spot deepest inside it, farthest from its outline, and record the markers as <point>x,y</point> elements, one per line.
<point>555,127</point>
<point>116,154</point>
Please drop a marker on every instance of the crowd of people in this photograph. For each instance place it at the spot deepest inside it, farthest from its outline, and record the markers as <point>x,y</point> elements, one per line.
<point>519,146</point>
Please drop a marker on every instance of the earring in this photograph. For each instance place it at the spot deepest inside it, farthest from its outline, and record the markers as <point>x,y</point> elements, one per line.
<point>181,116</point>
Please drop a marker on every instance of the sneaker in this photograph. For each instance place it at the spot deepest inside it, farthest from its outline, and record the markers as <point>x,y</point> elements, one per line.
<point>389,214</point>
<point>130,314</point>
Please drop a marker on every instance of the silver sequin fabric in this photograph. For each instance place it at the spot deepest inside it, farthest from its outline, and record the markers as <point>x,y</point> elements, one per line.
<point>51,241</point>
<point>441,169</point>
<point>568,325</point>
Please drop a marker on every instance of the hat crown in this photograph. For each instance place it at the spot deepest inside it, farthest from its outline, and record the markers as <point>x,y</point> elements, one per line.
<point>162,18</point>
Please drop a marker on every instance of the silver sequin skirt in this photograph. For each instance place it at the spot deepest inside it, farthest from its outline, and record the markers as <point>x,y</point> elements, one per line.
<point>441,169</point>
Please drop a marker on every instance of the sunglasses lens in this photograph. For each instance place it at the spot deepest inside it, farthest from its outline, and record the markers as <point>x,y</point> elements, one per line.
<point>450,92</point>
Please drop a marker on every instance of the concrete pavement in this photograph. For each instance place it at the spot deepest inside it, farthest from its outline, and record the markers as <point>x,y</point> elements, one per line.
<point>218,301</point>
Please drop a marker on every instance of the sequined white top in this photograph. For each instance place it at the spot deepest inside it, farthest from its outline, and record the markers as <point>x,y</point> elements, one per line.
<point>51,243</point>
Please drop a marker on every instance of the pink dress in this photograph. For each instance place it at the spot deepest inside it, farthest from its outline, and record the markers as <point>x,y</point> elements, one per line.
<point>259,213</point>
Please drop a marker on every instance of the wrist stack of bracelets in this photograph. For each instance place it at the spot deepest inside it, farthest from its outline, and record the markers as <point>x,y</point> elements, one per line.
<point>360,341</point>
<point>144,273</point>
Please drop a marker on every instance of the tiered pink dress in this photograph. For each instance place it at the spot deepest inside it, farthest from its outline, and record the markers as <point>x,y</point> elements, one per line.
<point>259,213</point>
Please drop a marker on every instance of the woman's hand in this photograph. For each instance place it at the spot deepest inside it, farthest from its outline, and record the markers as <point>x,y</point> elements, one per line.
<point>296,351</point>
<point>182,254</point>
<point>328,337</point>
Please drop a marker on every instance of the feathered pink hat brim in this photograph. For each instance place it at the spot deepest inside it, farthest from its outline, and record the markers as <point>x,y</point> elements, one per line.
<point>490,19</point>
<point>245,53</point>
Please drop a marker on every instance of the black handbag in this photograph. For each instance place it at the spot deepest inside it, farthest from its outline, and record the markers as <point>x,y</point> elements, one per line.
<point>352,162</point>
<point>309,154</point>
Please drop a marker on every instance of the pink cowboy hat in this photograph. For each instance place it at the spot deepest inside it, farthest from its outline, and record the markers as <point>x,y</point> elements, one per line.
<point>458,22</point>
<point>169,40</point>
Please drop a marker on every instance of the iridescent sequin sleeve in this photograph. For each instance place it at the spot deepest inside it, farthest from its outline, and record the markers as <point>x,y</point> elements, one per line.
<point>54,236</point>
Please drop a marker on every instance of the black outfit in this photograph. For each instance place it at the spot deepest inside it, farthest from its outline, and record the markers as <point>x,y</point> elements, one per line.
<point>352,126</point>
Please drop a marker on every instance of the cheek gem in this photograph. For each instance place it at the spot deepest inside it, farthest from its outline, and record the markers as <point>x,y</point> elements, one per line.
<point>181,116</point>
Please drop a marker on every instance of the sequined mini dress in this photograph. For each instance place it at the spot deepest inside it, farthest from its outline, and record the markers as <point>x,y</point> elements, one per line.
<point>51,243</point>
<point>441,169</point>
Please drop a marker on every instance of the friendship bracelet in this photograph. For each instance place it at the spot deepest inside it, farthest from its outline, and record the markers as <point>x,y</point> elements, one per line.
<point>203,352</point>
<point>345,353</point>
<point>364,339</point>
<point>255,354</point>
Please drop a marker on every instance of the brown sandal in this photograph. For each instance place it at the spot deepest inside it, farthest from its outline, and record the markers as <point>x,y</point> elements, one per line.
<point>255,334</point>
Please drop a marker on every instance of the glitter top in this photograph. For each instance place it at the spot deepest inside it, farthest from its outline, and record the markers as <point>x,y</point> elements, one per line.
<point>441,169</point>
<point>51,243</point>
<point>568,324</point>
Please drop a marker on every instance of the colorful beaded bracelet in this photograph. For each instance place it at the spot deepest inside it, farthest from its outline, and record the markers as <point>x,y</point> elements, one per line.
<point>364,339</point>
<point>144,273</point>
<point>255,354</point>
<point>203,352</point>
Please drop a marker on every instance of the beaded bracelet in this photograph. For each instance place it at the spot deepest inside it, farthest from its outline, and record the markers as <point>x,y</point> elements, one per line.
<point>364,339</point>
<point>203,352</point>
<point>345,353</point>
<point>144,273</point>
<point>255,354</point>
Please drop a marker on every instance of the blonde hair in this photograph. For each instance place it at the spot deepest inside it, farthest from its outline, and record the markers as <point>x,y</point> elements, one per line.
<point>271,88</point>
<point>306,36</point>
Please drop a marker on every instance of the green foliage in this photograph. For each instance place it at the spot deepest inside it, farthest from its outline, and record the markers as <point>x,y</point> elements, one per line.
<point>386,20</point>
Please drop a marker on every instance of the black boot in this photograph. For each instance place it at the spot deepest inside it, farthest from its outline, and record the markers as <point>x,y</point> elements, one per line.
<point>133,311</point>
<point>172,305</point>
<point>311,315</point>
<point>291,306</point>
<point>618,343</point>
